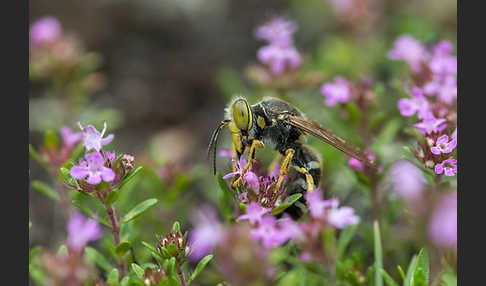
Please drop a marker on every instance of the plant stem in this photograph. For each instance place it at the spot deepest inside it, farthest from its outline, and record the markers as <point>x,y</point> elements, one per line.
<point>181,274</point>
<point>115,230</point>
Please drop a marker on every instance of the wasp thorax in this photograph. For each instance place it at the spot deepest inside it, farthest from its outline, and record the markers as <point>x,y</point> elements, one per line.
<point>241,113</point>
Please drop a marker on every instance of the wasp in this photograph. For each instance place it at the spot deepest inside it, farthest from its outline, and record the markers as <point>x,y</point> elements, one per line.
<point>285,128</point>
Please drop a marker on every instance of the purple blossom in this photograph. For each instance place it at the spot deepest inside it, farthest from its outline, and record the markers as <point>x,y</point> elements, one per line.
<point>69,138</point>
<point>448,167</point>
<point>445,87</point>
<point>94,139</point>
<point>289,229</point>
<point>254,213</point>
<point>408,49</point>
<point>443,145</point>
<point>207,233</point>
<point>357,164</point>
<point>316,204</point>
<point>407,180</point>
<point>279,58</point>
<point>81,231</point>
<point>335,92</point>
<point>443,223</point>
<point>45,30</point>
<point>342,217</point>
<point>249,177</point>
<point>277,31</point>
<point>93,168</point>
<point>454,134</point>
<point>442,62</point>
<point>416,104</point>
<point>111,157</point>
<point>225,153</point>
<point>267,232</point>
<point>431,125</point>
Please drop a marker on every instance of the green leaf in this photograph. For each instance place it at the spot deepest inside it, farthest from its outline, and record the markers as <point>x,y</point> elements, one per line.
<point>423,263</point>
<point>226,198</point>
<point>45,190</point>
<point>149,247</point>
<point>402,273</point>
<point>37,157</point>
<point>388,279</point>
<point>139,209</point>
<point>130,176</point>
<point>78,202</point>
<point>200,267</point>
<point>344,238</point>
<point>67,176</point>
<point>410,272</point>
<point>125,281</point>
<point>172,249</point>
<point>92,255</point>
<point>62,251</point>
<point>138,271</point>
<point>290,200</point>
<point>112,197</point>
<point>122,248</point>
<point>418,278</point>
<point>113,277</point>
<point>378,254</point>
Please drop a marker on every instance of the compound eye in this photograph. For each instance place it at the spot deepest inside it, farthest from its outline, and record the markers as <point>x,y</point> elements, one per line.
<point>242,114</point>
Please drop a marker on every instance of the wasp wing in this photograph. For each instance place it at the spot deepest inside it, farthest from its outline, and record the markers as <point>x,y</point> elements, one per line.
<point>315,129</point>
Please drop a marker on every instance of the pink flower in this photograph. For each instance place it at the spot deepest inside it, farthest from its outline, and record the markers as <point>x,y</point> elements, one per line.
<point>335,92</point>
<point>69,138</point>
<point>316,204</point>
<point>207,233</point>
<point>357,164</point>
<point>445,87</point>
<point>93,168</point>
<point>442,62</point>
<point>443,145</point>
<point>111,157</point>
<point>266,232</point>
<point>225,153</point>
<point>277,31</point>
<point>342,217</point>
<point>454,134</point>
<point>443,223</point>
<point>94,139</point>
<point>408,49</point>
<point>254,213</point>
<point>249,177</point>
<point>407,180</point>
<point>417,104</point>
<point>448,167</point>
<point>279,58</point>
<point>81,231</point>
<point>45,30</point>
<point>431,125</point>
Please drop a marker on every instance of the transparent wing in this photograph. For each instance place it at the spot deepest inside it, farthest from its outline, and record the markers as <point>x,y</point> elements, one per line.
<point>315,129</point>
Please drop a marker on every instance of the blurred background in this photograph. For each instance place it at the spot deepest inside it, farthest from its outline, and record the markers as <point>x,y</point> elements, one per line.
<point>161,71</point>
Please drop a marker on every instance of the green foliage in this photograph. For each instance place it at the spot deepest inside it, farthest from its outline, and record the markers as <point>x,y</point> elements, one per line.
<point>139,210</point>
<point>45,190</point>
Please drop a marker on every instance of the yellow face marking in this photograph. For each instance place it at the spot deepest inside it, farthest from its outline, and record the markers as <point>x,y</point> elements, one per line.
<point>261,122</point>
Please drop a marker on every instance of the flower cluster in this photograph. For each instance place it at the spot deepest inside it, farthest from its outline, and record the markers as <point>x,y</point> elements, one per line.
<point>328,211</point>
<point>341,91</point>
<point>280,53</point>
<point>55,54</point>
<point>432,99</point>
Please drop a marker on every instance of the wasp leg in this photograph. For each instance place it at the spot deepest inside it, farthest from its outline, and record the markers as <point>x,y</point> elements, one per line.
<point>251,157</point>
<point>289,154</point>
<point>308,177</point>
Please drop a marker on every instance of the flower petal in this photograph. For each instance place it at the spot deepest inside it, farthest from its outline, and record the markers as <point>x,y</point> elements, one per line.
<point>107,174</point>
<point>78,172</point>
